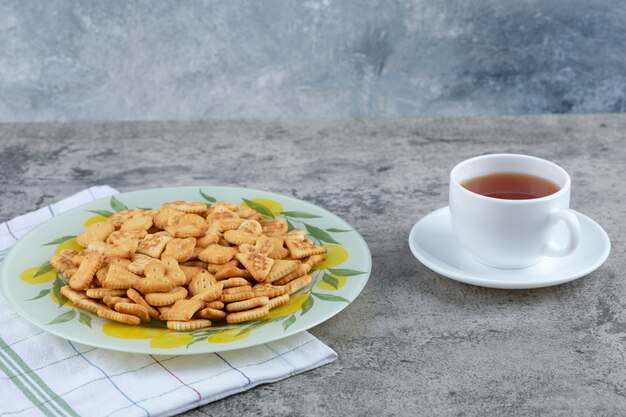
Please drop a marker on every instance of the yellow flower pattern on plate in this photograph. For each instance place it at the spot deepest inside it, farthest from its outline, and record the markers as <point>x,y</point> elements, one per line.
<point>28,276</point>
<point>69,244</point>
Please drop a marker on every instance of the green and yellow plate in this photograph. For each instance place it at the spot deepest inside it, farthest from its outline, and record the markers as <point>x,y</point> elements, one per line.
<point>32,287</point>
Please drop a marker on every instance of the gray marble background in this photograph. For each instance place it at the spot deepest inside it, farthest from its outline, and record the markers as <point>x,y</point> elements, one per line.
<point>162,60</point>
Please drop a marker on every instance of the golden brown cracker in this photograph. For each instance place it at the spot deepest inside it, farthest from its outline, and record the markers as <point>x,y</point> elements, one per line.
<point>186,326</point>
<point>269,290</point>
<point>182,310</point>
<point>251,227</point>
<point>299,283</point>
<point>185,230</point>
<point>98,246</point>
<point>165,213</point>
<point>315,259</point>
<point>218,305</point>
<point>234,282</point>
<point>119,317</point>
<point>154,269</point>
<point>232,271</point>
<point>247,304</point>
<point>279,251</point>
<point>247,315</point>
<point>139,262</point>
<point>62,261</point>
<point>134,310</point>
<point>200,282</point>
<point>126,249</point>
<point>302,269</point>
<point>274,227</point>
<point>111,300</point>
<point>217,254</point>
<point>90,305</point>
<point>69,272</point>
<point>98,231</point>
<point>189,206</point>
<point>280,268</point>
<point>211,314</point>
<point>123,262</point>
<point>153,245</point>
<point>245,212</point>
<point>207,240</point>
<point>229,220</point>
<point>257,264</point>
<point>120,236</point>
<point>209,294</point>
<point>73,295</point>
<point>141,221</point>
<point>138,298</point>
<point>278,301</point>
<point>303,249</point>
<point>234,290</point>
<point>165,298</point>
<point>119,218</point>
<point>172,270</point>
<point>155,285</point>
<point>189,271</point>
<point>234,297</point>
<point>213,268</point>
<point>296,234</point>
<point>236,237</point>
<point>102,292</point>
<point>179,249</point>
<point>119,278</point>
<point>198,263</point>
<point>83,276</point>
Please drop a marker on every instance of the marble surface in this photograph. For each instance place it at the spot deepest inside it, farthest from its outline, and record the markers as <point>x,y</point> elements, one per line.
<point>67,60</point>
<point>413,343</point>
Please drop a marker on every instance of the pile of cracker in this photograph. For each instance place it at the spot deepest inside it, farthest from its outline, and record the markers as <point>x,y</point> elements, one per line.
<point>187,263</point>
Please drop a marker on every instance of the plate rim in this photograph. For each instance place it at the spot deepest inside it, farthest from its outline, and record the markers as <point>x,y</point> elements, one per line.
<point>511,285</point>
<point>220,347</point>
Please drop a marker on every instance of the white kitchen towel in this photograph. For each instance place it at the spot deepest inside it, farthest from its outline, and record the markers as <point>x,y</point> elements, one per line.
<point>42,374</point>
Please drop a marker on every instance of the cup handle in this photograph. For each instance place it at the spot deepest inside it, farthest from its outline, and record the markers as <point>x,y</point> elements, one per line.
<point>573,227</point>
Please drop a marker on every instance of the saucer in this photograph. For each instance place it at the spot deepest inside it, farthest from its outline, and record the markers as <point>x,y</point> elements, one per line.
<point>434,245</point>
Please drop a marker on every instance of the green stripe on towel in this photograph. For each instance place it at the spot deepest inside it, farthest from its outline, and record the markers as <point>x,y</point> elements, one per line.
<point>19,384</point>
<point>55,402</point>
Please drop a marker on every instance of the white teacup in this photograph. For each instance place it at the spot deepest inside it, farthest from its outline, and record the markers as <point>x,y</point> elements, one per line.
<point>511,234</point>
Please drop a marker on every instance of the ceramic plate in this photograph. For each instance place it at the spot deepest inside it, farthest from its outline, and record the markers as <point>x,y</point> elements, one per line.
<point>433,243</point>
<point>32,287</point>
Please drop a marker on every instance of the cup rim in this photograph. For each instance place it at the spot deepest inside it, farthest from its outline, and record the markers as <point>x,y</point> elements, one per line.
<point>563,190</point>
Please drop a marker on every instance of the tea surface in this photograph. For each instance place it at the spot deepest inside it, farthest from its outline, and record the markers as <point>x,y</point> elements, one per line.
<point>511,186</point>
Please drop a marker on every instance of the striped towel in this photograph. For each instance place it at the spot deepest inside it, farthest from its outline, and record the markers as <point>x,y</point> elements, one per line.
<point>42,374</point>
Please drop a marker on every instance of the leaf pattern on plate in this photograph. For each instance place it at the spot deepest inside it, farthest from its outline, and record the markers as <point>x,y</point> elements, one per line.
<point>56,292</point>
<point>335,230</point>
<point>346,272</point>
<point>259,207</point>
<point>300,215</point>
<point>330,297</point>
<point>207,197</point>
<point>307,305</point>
<point>291,320</point>
<point>330,280</point>
<point>38,275</point>
<point>64,317</point>
<point>59,240</point>
<point>40,294</point>
<point>103,213</point>
<point>319,234</point>
<point>117,205</point>
<point>85,319</point>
